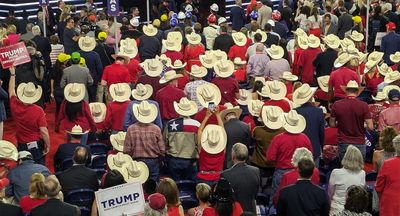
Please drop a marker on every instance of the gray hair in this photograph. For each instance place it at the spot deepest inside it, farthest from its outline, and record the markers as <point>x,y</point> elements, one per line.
<point>353,159</point>
<point>52,186</point>
<point>240,151</point>
<point>29,27</point>
<point>148,211</point>
<point>387,7</point>
<point>36,30</point>
<point>301,153</point>
<point>396,144</point>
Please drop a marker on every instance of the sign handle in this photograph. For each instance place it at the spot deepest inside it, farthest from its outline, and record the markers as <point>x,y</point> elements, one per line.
<point>148,11</point>
<point>116,35</point>
<point>44,20</point>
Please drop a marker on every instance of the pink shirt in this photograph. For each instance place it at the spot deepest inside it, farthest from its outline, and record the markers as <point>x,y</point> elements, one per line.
<point>390,117</point>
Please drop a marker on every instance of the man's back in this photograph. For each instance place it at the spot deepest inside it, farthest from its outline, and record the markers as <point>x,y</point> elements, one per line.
<point>345,23</point>
<point>55,207</point>
<point>78,177</point>
<point>93,63</point>
<point>66,151</point>
<point>271,39</point>
<point>237,132</point>
<point>76,74</point>
<point>223,42</point>
<point>10,210</point>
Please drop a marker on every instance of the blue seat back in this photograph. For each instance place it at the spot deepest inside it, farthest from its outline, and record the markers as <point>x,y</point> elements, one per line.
<point>99,161</point>
<point>67,163</point>
<point>98,148</point>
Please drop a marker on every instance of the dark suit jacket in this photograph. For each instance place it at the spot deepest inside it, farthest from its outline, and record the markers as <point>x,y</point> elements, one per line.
<point>223,42</point>
<point>303,198</point>
<point>78,177</point>
<point>345,23</point>
<point>237,132</point>
<point>245,181</point>
<point>43,45</point>
<point>271,39</point>
<point>55,207</point>
<point>66,151</point>
<point>10,210</point>
<point>237,17</point>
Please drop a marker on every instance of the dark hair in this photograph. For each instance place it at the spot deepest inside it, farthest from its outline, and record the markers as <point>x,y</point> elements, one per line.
<point>257,37</point>
<point>315,13</point>
<point>58,71</point>
<point>223,197</point>
<point>54,39</point>
<point>69,19</point>
<point>306,168</point>
<point>258,85</point>
<point>386,138</point>
<point>327,16</point>
<point>328,8</point>
<point>11,12</point>
<point>305,10</point>
<point>169,189</point>
<point>352,90</point>
<point>357,199</point>
<point>80,155</point>
<point>150,186</point>
<point>268,27</point>
<point>198,28</point>
<point>342,9</point>
<point>112,178</point>
<point>73,109</point>
<point>264,2</point>
<point>223,28</point>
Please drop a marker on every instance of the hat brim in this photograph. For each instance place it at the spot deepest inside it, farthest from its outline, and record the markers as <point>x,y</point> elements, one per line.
<point>387,89</point>
<point>98,119</point>
<point>393,58</point>
<point>164,80</point>
<point>153,73</point>
<point>76,99</point>
<point>217,94</point>
<point>228,73</point>
<point>28,100</point>
<point>280,95</point>
<point>321,85</point>
<point>356,39</point>
<point>205,64</point>
<point>179,67</point>
<point>389,79</point>
<point>186,113</point>
<point>114,143</point>
<point>245,101</point>
<point>294,129</point>
<point>77,133</point>
<point>360,89</point>
<point>195,41</point>
<point>126,57</point>
<point>144,173</point>
<point>120,98</point>
<point>176,47</point>
<point>301,101</point>
<point>273,125</point>
<point>275,56</point>
<point>314,45</point>
<point>14,154</point>
<point>220,146</point>
<point>89,48</point>
<point>110,162</point>
<point>263,36</point>
<point>145,119</point>
<point>146,96</point>
<point>225,112</point>
<point>291,78</point>
<point>149,33</point>
<point>240,42</point>
<point>202,73</point>
<point>333,45</point>
<point>251,110</point>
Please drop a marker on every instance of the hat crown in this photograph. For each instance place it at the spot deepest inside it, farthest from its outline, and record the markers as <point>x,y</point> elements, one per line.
<point>304,91</point>
<point>274,87</point>
<point>178,63</point>
<point>152,64</point>
<point>244,94</point>
<point>207,94</point>
<point>77,129</point>
<point>96,110</point>
<point>119,89</point>
<point>118,160</point>
<point>292,118</point>
<point>213,138</point>
<point>169,75</point>
<point>75,90</point>
<point>141,89</point>
<point>239,36</point>
<point>120,138</point>
<point>219,55</point>
<point>207,58</point>
<point>87,41</point>
<point>275,49</point>
<point>144,108</point>
<point>273,114</point>
<point>193,36</point>
<point>133,169</point>
<point>6,151</point>
<point>256,106</point>
<point>352,84</point>
<point>184,104</point>
<point>29,90</point>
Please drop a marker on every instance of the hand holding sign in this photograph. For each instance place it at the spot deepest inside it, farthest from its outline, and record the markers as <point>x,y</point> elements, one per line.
<point>14,55</point>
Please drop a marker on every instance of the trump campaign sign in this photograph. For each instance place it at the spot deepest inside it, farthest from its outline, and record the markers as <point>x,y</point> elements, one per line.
<point>15,54</point>
<point>125,199</point>
<point>113,7</point>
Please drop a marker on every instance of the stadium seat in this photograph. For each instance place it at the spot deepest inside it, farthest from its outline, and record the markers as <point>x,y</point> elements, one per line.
<point>99,161</point>
<point>100,172</point>
<point>188,203</point>
<point>67,163</point>
<point>83,198</point>
<point>98,149</point>
<point>186,185</point>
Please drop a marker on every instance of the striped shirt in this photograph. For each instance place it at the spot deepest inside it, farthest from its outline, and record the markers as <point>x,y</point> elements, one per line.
<point>56,49</point>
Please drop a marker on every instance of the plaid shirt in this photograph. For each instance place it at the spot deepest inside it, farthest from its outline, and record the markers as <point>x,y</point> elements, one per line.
<point>144,141</point>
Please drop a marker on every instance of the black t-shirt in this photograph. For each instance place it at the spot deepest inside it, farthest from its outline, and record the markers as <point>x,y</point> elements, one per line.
<point>70,45</point>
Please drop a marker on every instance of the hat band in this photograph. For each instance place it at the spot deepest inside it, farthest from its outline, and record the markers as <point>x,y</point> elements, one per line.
<point>273,118</point>
<point>144,112</point>
<point>118,163</point>
<point>303,95</point>
<point>134,173</point>
<point>74,93</point>
<point>141,92</point>
<point>28,93</point>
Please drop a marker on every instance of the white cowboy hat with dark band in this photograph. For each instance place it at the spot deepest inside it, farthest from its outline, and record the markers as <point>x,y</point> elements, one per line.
<point>392,77</point>
<point>28,93</point>
<point>323,83</point>
<point>255,107</point>
<point>208,59</point>
<point>262,33</point>
<point>384,69</point>
<point>224,68</point>
<point>230,109</point>
<point>245,96</point>
<point>198,71</point>
<point>87,43</point>
<point>185,107</point>
<point>207,93</point>
<point>145,112</point>
<point>302,41</point>
<point>213,139</point>
<point>135,171</point>
<point>239,38</point>
<point>276,52</point>
<point>303,94</point>
<point>287,75</point>
<point>128,48</point>
<point>8,150</point>
<point>178,65</point>
<point>332,41</point>
<point>118,160</point>
<point>169,76</point>
<point>277,90</point>
<point>120,92</point>
<point>270,117</point>
<point>74,92</point>
<point>152,67</point>
<point>117,141</point>
<point>98,111</point>
<point>150,30</point>
<point>193,38</point>
<point>142,92</point>
<point>293,122</point>
<point>77,130</point>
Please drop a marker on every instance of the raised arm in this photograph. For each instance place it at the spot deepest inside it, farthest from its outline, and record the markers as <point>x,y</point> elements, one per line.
<point>201,128</point>
<point>11,85</point>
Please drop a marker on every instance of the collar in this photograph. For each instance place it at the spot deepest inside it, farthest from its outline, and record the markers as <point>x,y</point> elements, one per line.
<point>239,164</point>
<point>351,97</point>
<point>303,181</point>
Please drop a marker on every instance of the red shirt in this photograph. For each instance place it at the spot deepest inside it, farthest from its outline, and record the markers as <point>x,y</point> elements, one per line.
<point>83,119</point>
<point>283,146</point>
<point>237,51</point>
<point>165,98</point>
<point>183,81</point>
<point>289,88</point>
<point>297,53</point>
<point>372,82</point>
<point>249,119</point>
<point>134,69</point>
<point>6,166</point>
<point>210,165</point>
<point>27,203</point>
<point>305,61</point>
<point>28,120</point>
<point>321,95</point>
<point>240,74</point>
<point>115,115</point>
<point>174,55</point>
<point>375,110</point>
<point>282,103</point>
<point>331,136</point>
<point>236,210</point>
<point>191,56</point>
<point>116,73</point>
<point>200,115</point>
<point>229,87</point>
<point>341,77</point>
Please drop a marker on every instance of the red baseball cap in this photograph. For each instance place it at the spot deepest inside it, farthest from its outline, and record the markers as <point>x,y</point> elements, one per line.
<point>4,182</point>
<point>157,201</point>
<point>212,18</point>
<point>391,26</point>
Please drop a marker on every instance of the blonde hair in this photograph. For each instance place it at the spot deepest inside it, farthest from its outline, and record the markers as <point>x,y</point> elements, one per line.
<point>36,186</point>
<point>301,153</point>
<point>11,29</point>
<point>353,159</point>
<point>169,189</point>
<point>203,192</point>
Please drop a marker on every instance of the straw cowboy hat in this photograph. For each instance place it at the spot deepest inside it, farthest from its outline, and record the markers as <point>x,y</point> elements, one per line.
<point>245,96</point>
<point>323,83</point>
<point>98,111</point>
<point>207,93</point>
<point>152,67</point>
<point>164,59</point>
<point>387,89</point>
<point>28,93</point>
<point>342,59</point>
<point>135,171</point>
<point>346,42</point>
<point>262,33</point>
<point>370,66</point>
<point>128,48</point>
<point>352,50</point>
<point>115,56</point>
<point>74,92</point>
<point>270,117</point>
<point>185,107</point>
<point>276,52</point>
<point>224,68</point>
<point>239,38</point>
<point>302,41</point>
<point>208,59</point>
<point>169,76</point>
<point>355,36</point>
<point>300,32</point>
<point>142,92</point>
<point>8,150</point>
<point>230,109</point>
<point>303,94</point>
<point>193,38</point>
<point>287,75</point>
<point>255,107</point>
<point>198,71</point>
<point>277,90</point>
<point>171,44</point>
<point>395,58</point>
<point>264,91</point>
<point>120,92</point>
<point>117,140</point>
<point>313,41</point>
<point>77,130</point>
<point>352,84</point>
<point>118,160</point>
<point>384,69</point>
<point>219,55</point>
<point>150,30</point>
<point>392,77</point>
<point>380,96</point>
<point>178,65</point>
<point>238,61</point>
<point>293,122</point>
<point>375,56</point>
<point>87,43</point>
<point>332,41</point>
<point>145,112</point>
<point>213,139</point>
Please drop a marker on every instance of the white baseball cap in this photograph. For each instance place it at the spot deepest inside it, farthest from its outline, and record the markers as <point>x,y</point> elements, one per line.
<point>214,7</point>
<point>134,22</point>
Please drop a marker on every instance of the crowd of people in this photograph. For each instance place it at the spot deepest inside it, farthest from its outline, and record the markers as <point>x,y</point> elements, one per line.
<point>293,111</point>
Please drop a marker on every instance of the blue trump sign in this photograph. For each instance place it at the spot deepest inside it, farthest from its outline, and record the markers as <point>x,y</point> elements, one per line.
<point>113,7</point>
<point>43,2</point>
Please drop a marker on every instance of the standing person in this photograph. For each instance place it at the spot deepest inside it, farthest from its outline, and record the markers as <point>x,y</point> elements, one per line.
<point>356,202</point>
<point>31,124</point>
<point>258,37</point>
<point>56,49</point>
<point>315,22</point>
<point>257,64</point>
<point>323,63</point>
<point>228,86</point>
<point>114,119</point>
<point>70,37</point>
<point>169,189</point>
<point>306,58</point>
<point>377,23</point>
<point>328,27</point>
<point>389,115</point>
<point>390,43</point>
<point>197,73</point>
<point>193,50</point>
<point>43,45</point>
<point>240,47</point>
<point>277,65</point>
<point>264,14</point>
<point>286,14</point>
<point>345,23</point>
<point>223,41</point>
<point>148,45</point>
<point>210,32</point>
<point>237,16</point>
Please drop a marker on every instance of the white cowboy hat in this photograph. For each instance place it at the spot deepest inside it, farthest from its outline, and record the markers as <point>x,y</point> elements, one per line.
<point>384,69</point>
<point>134,22</point>
<point>28,93</point>
<point>370,66</point>
<point>392,77</point>
<point>185,107</point>
<point>142,92</point>
<point>135,171</point>
<point>74,92</point>
<point>323,83</point>
<point>287,75</point>
<point>263,35</point>
<point>171,44</point>
<point>77,130</point>
<point>264,91</point>
<point>375,56</point>
<point>224,68</point>
<point>380,96</point>
<point>255,107</point>
<point>152,67</point>
<point>355,36</point>
<point>214,7</point>
<point>230,109</point>
<point>120,92</point>
<point>239,38</point>
<point>299,32</point>
<point>387,89</point>
<point>164,59</point>
<point>352,50</point>
<point>145,112</point>
<point>98,111</point>
<point>346,43</point>
<point>313,41</point>
<point>208,59</point>
<point>276,52</point>
<point>277,90</point>
<point>238,61</point>
<point>213,139</point>
<point>150,30</point>
<point>245,96</point>
<point>181,15</point>
<point>303,94</point>
<point>219,55</point>
<point>207,93</point>
<point>198,71</point>
<point>118,160</point>
<point>293,122</point>
<point>270,117</point>
<point>87,43</point>
<point>332,41</point>
<point>193,38</point>
<point>128,48</point>
<point>169,76</point>
<point>395,58</point>
<point>123,55</point>
<point>8,150</point>
<point>342,59</point>
<point>178,65</point>
<point>117,140</point>
<point>302,41</point>
<point>352,84</point>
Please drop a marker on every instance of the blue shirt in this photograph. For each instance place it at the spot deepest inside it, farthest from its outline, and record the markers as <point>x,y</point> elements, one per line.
<point>94,64</point>
<point>130,119</point>
<point>389,45</point>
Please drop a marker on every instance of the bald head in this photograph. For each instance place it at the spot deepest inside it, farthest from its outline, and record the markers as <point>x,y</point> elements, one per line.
<point>239,152</point>
<point>260,47</point>
<point>80,155</point>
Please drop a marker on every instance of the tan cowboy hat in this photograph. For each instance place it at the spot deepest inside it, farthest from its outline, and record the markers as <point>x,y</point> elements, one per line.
<point>346,42</point>
<point>384,69</point>
<point>208,59</point>
<point>355,36</point>
<point>169,76</point>
<point>224,68</point>
<point>8,150</point>
<point>323,83</point>
<point>293,122</point>
<point>219,55</point>
<point>120,92</point>
<point>263,35</point>
<point>276,52</point>
<point>255,107</point>
<point>387,89</point>
<point>230,109</point>
<point>207,93</point>
<point>270,117</point>
<point>332,41</point>
<point>395,58</point>
<point>213,139</point>
<point>238,61</point>
<point>287,75</point>
<point>142,92</point>
<point>118,160</point>
<point>193,38</point>
<point>185,107</point>
<point>135,171</point>
<point>87,43</point>
<point>150,30</point>
<point>98,111</point>
<point>313,41</point>
<point>380,96</point>
<point>392,77</point>
<point>77,130</point>
<point>245,96</point>
<point>370,66</point>
<point>300,32</point>
<point>171,44</point>
<point>145,112</point>
<point>264,91</point>
<point>198,71</point>
<point>176,36</point>
<point>303,94</point>
<point>302,41</point>
<point>117,141</point>
<point>178,65</point>
<point>164,59</point>
<point>342,59</point>
<point>74,92</point>
<point>352,84</point>
<point>375,56</point>
<point>239,38</point>
<point>128,48</point>
<point>352,50</point>
<point>277,90</point>
<point>28,93</point>
<point>152,67</point>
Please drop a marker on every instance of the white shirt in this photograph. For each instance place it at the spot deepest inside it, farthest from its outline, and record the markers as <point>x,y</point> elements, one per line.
<point>210,33</point>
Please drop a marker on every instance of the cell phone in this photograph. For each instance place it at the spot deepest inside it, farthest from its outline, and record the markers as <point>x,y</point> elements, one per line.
<point>211,106</point>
